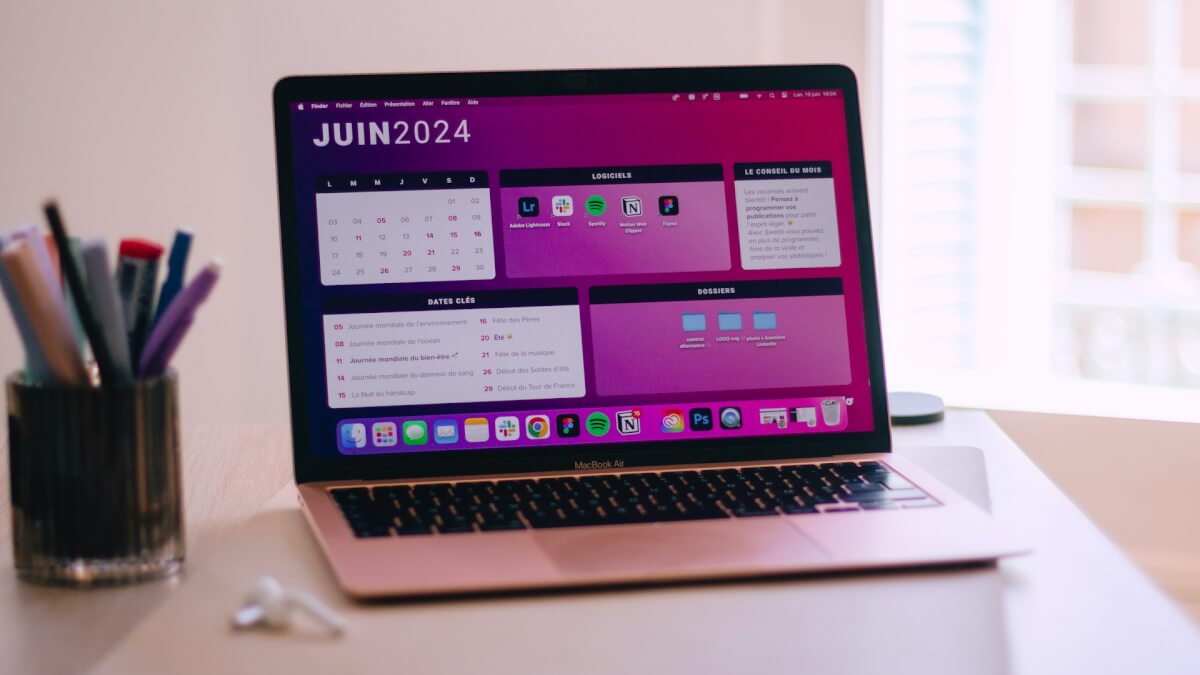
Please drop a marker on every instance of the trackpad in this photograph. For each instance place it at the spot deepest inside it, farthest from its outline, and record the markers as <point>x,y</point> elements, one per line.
<point>763,542</point>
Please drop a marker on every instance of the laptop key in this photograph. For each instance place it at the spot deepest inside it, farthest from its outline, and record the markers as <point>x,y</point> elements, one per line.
<point>865,497</point>
<point>910,493</point>
<point>752,512</point>
<point>350,495</point>
<point>864,487</point>
<point>895,481</point>
<point>823,492</point>
<point>373,531</point>
<point>496,525</point>
<point>542,519</point>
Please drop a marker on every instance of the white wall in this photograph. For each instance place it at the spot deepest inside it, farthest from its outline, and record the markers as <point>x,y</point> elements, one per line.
<point>141,117</point>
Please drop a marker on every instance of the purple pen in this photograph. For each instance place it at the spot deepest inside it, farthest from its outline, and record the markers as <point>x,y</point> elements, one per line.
<point>170,330</point>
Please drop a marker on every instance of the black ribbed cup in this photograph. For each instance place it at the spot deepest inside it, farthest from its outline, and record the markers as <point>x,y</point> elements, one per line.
<point>96,494</point>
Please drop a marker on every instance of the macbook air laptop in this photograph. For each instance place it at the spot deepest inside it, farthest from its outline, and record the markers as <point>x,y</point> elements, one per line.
<point>580,328</point>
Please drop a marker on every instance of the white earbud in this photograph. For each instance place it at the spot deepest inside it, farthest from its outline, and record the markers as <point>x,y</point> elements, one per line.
<point>270,604</point>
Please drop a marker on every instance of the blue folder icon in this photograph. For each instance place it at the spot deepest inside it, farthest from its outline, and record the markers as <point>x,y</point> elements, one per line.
<point>693,322</point>
<point>729,321</point>
<point>764,321</point>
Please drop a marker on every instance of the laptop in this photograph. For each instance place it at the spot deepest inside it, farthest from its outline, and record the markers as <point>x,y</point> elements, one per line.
<point>592,328</point>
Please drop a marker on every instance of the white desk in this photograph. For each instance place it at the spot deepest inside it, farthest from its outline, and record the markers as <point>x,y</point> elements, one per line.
<point>1077,605</point>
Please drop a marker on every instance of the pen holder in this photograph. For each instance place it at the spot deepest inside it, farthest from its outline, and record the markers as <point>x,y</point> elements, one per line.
<point>95,481</point>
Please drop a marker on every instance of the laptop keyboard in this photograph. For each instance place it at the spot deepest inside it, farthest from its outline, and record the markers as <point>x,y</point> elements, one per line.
<point>451,508</point>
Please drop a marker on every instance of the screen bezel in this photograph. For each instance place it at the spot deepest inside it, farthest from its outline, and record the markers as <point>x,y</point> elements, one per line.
<point>309,467</point>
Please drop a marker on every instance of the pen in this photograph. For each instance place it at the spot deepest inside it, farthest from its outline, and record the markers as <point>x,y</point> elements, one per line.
<point>36,369</point>
<point>45,266</point>
<point>80,332</point>
<point>102,290</point>
<point>176,271</point>
<point>47,318</point>
<point>74,278</point>
<point>137,274</point>
<point>176,321</point>
<point>41,254</point>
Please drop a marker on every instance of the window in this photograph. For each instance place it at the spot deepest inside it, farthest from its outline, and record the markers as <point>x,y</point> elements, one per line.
<point>1040,203</point>
<point>1128,90</point>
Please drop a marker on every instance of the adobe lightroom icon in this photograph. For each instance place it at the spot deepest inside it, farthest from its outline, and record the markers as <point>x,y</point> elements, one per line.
<point>527,207</point>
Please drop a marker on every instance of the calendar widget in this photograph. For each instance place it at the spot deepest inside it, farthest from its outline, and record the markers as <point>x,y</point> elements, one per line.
<point>457,349</point>
<point>405,228</point>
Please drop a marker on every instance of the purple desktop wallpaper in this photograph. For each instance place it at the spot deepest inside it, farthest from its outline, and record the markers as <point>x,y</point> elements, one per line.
<point>826,356</point>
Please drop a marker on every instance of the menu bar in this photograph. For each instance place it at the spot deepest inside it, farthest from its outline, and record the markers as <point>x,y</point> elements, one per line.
<point>724,97</point>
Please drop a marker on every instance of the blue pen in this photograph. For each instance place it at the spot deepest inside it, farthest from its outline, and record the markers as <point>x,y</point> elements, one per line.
<point>36,368</point>
<point>137,282</point>
<point>176,271</point>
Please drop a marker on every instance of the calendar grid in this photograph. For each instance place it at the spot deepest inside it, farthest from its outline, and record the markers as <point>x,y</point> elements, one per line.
<point>405,228</point>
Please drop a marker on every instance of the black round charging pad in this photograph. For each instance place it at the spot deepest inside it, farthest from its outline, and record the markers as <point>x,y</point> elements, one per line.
<point>911,407</point>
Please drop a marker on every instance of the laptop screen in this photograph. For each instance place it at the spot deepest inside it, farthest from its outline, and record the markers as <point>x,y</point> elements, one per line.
<point>546,271</point>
